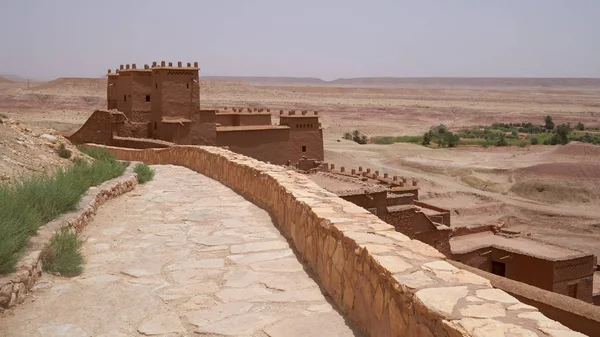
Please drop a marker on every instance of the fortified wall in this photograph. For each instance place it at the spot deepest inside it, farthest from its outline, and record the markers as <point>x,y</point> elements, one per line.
<point>388,284</point>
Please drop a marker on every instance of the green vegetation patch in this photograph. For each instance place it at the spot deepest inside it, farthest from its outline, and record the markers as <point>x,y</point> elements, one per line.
<point>63,254</point>
<point>398,139</point>
<point>32,201</point>
<point>144,173</point>
<point>356,136</point>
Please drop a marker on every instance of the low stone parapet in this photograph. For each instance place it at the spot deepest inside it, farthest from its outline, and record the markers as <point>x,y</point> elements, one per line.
<point>14,286</point>
<point>386,283</point>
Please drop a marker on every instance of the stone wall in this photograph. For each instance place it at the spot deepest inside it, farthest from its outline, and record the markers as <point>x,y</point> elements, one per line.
<point>386,283</point>
<point>139,143</point>
<point>14,287</point>
<point>574,313</point>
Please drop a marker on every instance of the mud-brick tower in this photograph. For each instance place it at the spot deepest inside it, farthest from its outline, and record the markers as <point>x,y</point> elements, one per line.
<point>112,90</point>
<point>135,93</point>
<point>175,98</point>
<point>306,134</point>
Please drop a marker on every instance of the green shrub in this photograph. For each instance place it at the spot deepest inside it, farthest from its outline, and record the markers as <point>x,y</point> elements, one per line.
<point>522,144</point>
<point>549,124</point>
<point>144,173</point>
<point>426,138</point>
<point>63,254</point>
<point>3,116</point>
<point>63,152</point>
<point>534,141</point>
<point>501,141</point>
<point>580,126</point>
<point>97,153</point>
<point>44,197</point>
<point>78,160</point>
<point>562,134</point>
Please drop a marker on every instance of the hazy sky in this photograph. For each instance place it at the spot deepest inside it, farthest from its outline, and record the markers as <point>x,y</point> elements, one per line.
<point>313,38</point>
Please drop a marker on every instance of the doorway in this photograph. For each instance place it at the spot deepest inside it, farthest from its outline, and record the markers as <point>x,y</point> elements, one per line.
<point>498,268</point>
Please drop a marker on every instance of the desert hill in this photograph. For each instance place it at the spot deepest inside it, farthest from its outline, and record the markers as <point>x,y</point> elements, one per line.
<point>73,85</point>
<point>26,149</point>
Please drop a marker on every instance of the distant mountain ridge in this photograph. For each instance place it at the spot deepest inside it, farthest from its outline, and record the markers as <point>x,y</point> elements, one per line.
<point>370,82</point>
<point>498,82</point>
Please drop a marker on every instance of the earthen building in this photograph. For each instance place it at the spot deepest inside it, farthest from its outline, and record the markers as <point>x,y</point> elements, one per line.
<point>158,105</point>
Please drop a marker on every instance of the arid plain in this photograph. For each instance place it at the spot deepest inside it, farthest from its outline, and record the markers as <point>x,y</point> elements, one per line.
<point>552,192</point>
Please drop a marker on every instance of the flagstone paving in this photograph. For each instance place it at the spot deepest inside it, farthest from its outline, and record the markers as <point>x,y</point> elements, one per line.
<point>182,255</point>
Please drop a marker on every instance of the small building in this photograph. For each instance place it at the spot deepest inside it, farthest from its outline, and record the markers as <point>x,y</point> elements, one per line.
<point>558,269</point>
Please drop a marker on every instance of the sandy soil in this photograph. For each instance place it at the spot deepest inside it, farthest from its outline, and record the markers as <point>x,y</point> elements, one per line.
<point>551,191</point>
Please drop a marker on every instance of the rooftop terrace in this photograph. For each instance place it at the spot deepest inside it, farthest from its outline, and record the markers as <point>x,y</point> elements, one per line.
<point>518,245</point>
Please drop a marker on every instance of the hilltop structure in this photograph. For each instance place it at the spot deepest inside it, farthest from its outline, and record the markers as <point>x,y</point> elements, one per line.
<point>159,105</point>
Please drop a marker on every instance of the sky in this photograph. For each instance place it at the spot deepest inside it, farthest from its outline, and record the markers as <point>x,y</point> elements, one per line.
<point>329,39</point>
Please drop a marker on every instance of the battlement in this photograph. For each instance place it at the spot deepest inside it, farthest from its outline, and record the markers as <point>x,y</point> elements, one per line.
<point>165,65</point>
<point>303,113</point>
<point>235,110</point>
<point>155,65</point>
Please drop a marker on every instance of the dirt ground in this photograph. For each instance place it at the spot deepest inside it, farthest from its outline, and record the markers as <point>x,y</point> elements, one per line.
<point>552,192</point>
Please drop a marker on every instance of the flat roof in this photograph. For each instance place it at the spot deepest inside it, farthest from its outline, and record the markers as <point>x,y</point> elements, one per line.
<point>132,70</point>
<point>175,120</point>
<point>399,195</point>
<point>251,128</point>
<point>344,186</point>
<point>399,208</point>
<point>519,245</point>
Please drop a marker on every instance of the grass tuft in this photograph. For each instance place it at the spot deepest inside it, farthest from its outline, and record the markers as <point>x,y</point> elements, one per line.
<point>63,254</point>
<point>97,153</point>
<point>3,116</point>
<point>63,152</point>
<point>30,202</point>
<point>144,173</point>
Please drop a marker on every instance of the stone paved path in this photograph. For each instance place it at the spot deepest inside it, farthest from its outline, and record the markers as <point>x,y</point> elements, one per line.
<point>180,256</point>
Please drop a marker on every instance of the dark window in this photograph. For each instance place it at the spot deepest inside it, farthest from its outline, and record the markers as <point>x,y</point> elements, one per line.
<point>572,290</point>
<point>156,85</point>
<point>147,98</point>
<point>498,268</point>
<point>124,98</point>
<point>187,85</point>
<point>304,148</point>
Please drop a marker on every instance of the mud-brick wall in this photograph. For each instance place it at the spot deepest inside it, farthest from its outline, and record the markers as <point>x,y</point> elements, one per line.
<point>387,284</point>
<point>401,220</point>
<point>577,273</point>
<point>270,145</point>
<point>375,200</point>
<point>97,129</point>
